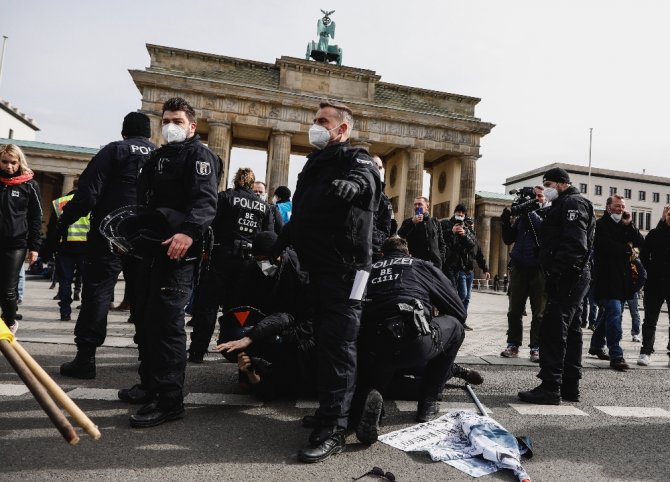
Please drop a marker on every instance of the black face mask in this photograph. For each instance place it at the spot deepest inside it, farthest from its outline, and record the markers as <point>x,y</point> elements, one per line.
<point>5,174</point>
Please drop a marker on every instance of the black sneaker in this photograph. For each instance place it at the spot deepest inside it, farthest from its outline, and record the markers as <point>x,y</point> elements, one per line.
<point>601,354</point>
<point>619,364</point>
<point>367,430</point>
<point>18,317</point>
<point>541,396</point>
<point>65,318</point>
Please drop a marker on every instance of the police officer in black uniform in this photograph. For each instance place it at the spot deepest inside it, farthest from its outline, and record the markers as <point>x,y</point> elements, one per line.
<point>399,332</point>
<point>566,239</point>
<point>383,217</point>
<point>331,230</point>
<point>181,180</point>
<point>108,182</point>
<point>240,214</point>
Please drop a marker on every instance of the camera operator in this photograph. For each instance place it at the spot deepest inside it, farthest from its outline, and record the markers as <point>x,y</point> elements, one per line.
<point>526,276</point>
<point>423,234</point>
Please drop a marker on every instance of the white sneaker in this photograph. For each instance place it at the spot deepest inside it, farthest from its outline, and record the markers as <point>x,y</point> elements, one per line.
<point>637,338</point>
<point>14,327</point>
<point>644,360</point>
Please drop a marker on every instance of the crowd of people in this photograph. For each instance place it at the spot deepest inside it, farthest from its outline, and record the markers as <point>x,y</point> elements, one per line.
<point>318,293</point>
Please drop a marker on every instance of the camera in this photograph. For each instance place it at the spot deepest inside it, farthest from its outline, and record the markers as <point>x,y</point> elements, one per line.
<point>525,201</point>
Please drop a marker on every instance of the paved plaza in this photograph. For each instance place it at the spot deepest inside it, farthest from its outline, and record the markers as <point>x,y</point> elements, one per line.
<point>619,430</point>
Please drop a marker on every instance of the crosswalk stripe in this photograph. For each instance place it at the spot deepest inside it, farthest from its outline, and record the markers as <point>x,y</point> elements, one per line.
<point>530,409</point>
<point>93,414</point>
<point>12,390</point>
<point>635,412</point>
<point>108,394</point>
<point>30,433</point>
<point>162,447</point>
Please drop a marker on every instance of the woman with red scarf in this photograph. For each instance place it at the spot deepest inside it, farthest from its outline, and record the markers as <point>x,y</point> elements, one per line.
<point>20,222</point>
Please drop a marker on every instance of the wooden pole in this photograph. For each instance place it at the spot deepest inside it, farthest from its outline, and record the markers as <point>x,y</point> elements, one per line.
<point>40,393</point>
<point>57,393</point>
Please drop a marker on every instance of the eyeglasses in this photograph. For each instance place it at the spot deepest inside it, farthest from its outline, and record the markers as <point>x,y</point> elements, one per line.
<point>378,472</point>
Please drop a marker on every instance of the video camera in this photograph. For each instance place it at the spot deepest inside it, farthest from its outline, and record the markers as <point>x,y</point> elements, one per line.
<point>525,201</point>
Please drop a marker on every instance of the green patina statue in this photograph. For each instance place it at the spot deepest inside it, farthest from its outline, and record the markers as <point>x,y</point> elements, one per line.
<point>321,51</point>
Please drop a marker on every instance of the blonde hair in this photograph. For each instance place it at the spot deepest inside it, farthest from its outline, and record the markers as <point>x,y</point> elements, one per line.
<point>15,151</point>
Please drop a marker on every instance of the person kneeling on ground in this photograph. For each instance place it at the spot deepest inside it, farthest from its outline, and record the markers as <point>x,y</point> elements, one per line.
<point>398,332</point>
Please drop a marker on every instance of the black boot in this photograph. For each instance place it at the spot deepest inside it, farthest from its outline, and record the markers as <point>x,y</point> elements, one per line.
<point>367,430</point>
<point>427,409</point>
<point>570,390</point>
<point>327,446</point>
<point>473,377</point>
<point>542,395</point>
<point>83,365</point>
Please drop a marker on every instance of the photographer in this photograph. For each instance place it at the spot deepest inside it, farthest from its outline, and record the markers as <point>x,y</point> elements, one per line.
<point>423,234</point>
<point>526,276</point>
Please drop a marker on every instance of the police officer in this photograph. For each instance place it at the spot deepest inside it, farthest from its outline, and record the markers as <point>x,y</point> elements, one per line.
<point>383,217</point>
<point>331,230</point>
<point>180,180</point>
<point>566,239</point>
<point>108,182</point>
<point>399,332</point>
<point>241,214</point>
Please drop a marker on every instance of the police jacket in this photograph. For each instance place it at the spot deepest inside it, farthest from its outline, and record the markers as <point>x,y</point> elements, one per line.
<point>182,176</point>
<point>20,215</point>
<point>382,223</point>
<point>240,215</point>
<point>109,181</point>
<point>655,256</point>
<point>461,251</point>
<point>424,239</point>
<point>398,278</point>
<point>612,253</point>
<point>329,234</point>
<point>525,252</point>
<point>566,237</point>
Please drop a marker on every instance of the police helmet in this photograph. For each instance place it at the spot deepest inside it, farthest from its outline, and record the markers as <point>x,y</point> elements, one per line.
<point>235,324</point>
<point>136,230</point>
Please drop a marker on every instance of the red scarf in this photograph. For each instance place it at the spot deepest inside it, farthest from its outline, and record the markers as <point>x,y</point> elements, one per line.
<point>15,180</point>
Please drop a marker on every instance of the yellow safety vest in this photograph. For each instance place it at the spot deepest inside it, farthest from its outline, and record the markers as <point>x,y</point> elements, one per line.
<point>76,232</point>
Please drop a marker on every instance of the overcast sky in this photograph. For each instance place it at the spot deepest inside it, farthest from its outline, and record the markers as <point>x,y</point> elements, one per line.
<point>546,70</point>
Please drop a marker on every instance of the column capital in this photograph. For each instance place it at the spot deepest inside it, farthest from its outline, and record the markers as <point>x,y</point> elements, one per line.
<point>277,132</point>
<point>416,150</point>
<point>219,123</point>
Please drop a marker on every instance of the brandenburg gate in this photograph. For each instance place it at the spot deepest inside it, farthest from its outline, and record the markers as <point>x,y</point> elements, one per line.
<point>270,106</point>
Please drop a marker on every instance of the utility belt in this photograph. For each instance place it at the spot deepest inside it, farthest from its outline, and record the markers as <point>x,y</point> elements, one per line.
<point>240,249</point>
<point>410,322</point>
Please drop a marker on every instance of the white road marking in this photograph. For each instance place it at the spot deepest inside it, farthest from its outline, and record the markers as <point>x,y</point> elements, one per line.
<point>635,412</point>
<point>108,394</point>
<point>161,447</point>
<point>530,409</point>
<point>12,390</point>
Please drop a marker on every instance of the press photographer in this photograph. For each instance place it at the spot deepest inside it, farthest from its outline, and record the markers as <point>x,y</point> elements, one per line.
<point>526,276</point>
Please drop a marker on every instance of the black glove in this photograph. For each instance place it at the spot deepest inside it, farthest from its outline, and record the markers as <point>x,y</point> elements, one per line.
<point>61,229</point>
<point>345,190</point>
<point>506,215</point>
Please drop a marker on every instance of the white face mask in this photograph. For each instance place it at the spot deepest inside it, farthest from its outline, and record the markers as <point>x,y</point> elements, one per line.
<point>267,267</point>
<point>550,194</point>
<point>319,136</point>
<point>173,133</point>
<point>263,196</point>
<point>459,218</point>
<point>616,217</point>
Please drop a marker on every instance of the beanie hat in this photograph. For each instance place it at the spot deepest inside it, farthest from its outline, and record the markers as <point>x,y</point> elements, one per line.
<point>556,175</point>
<point>136,124</point>
<point>263,243</point>
<point>461,209</point>
<point>283,193</point>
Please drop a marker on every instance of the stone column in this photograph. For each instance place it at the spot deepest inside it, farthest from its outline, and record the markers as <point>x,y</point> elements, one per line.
<point>279,156</point>
<point>220,140</point>
<point>414,179</point>
<point>156,127</point>
<point>485,238</point>
<point>468,178</point>
<point>68,183</point>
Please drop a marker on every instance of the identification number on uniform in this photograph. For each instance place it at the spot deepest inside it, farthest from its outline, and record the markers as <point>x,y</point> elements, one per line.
<point>385,275</point>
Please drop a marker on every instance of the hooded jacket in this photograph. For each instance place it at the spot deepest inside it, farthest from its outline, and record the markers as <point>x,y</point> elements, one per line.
<point>20,216</point>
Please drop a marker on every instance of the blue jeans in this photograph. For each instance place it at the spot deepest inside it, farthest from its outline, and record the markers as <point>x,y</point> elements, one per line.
<point>464,285</point>
<point>634,314</point>
<point>609,328</point>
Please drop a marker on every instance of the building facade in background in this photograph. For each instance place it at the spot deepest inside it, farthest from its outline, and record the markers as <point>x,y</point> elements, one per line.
<point>15,124</point>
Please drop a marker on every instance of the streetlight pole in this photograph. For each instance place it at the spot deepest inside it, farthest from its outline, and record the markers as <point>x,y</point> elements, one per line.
<point>588,194</point>
<point>2,55</point>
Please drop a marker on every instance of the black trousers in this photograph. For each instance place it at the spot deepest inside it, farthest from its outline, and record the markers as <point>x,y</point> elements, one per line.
<point>164,288</point>
<point>10,266</point>
<point>430,355</point>
<point>219,287</point>
<point>68,265</point>
<point>561,331</point>
<point>337,322</point>
<point>101,271</point>
<point>654,296</point>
